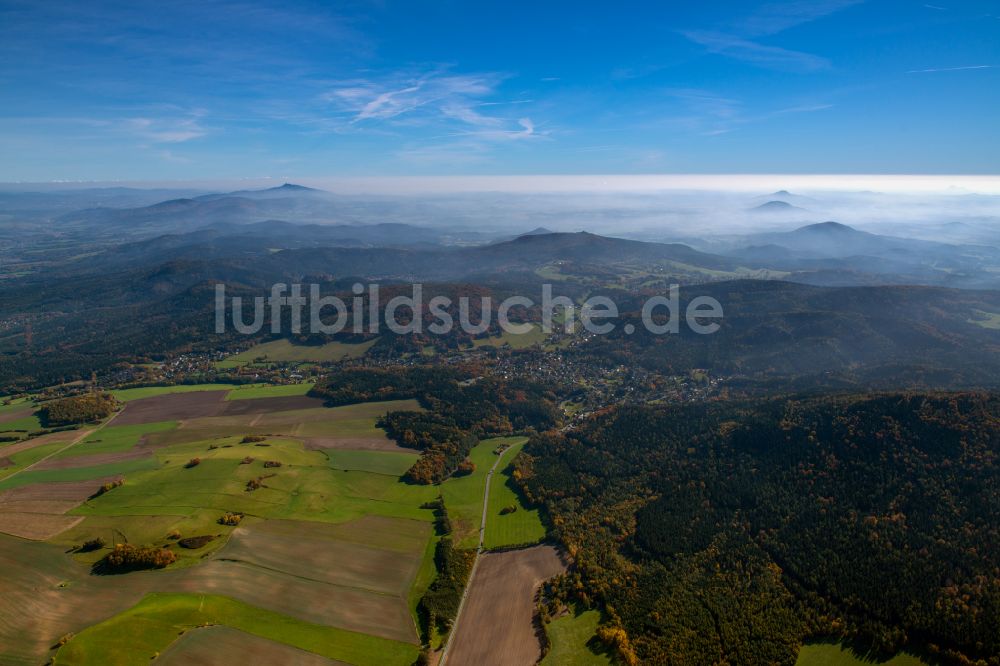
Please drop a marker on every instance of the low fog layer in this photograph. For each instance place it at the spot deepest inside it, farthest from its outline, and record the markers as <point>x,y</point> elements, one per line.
<point>705,217</point>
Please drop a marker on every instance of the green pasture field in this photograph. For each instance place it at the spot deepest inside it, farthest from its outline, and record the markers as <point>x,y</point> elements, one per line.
<point>463,495</point>
<point>569,635</point>
<point>305,487</point>
<point>25,459</point>
<point>268,391</point>
<point>115,439</point>
<point>126,395</point>
<point>523,526</point>
<point>392,463</point>
<point>832,654</point>
<point>986,319</point>
<point>284,351</point>
<point>516,341</point>
<point>153,624</point>
<point>27,423</point>
<point>16,404</point>
<point>75,473</point>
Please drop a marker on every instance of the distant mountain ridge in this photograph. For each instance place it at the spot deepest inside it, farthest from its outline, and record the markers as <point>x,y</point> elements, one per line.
<point>837,254</point>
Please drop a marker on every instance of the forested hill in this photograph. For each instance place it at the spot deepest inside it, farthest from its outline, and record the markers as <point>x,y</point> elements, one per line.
<point>731,533</point>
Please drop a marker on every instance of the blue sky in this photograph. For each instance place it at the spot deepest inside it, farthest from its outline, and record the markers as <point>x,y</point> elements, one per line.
<point>143,91</point>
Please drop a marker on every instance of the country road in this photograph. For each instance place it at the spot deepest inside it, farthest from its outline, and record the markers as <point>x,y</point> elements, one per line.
<point>479,550</point>
<point>83,435</point>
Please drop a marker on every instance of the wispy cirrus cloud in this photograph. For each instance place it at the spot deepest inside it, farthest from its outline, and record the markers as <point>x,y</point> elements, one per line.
<point>166,129</point>
<point>775,17</point>
<point>459,110</point>
<point>741,39</point>
<point>527,131</point>
<point>950,69</point>
<point>433,97</point>
<point>755,52</point>
<point>448,118</point>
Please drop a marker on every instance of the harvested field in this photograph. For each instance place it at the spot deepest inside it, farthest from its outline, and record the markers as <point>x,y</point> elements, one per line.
<point>37,511</point>
<point>93,459</point>
<point>194,406</point>
<point>314,601</point>
<point>372,443</point>
<point>497,624</point>
<point>314,551</point>
<point>64,436</point>
<point>36,526</point>
<point>284,351</point>
<point>398,534</point>
<point>70,491</point>
<point>16,414</point>
<point>355,575</point>
<point>263,405</point>
<point>349,427</point>
<point>47,594</point>
<point>221,646</point>
<point>172,407</point>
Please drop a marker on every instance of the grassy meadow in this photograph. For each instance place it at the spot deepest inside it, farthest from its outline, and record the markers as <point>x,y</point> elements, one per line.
<point>516,341</point>
<point>126,395</point>
<point>158,620</point>
<point>523,526</point>
<point>569,636</point>
<point>283,351</point>
<point>268,391</point>
<point>833,654</point>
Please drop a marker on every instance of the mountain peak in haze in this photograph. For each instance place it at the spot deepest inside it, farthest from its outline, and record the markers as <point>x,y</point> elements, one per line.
<point>538,231</point>
<point>774,206</point>
<point>292,187</point>
<point>828,228</point>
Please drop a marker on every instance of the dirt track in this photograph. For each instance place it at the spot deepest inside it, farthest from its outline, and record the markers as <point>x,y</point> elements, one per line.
<point>497,621</point>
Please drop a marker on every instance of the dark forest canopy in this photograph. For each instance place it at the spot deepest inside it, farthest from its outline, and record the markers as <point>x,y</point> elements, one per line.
<point>460,409</point>
<point>731,533</point>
